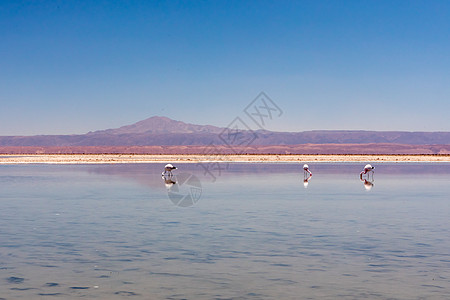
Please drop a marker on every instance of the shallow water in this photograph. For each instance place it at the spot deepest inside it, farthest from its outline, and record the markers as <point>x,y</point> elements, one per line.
<point>112,232</point>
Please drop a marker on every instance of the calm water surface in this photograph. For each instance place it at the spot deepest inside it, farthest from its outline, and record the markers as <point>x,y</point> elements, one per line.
<point>112,232</point>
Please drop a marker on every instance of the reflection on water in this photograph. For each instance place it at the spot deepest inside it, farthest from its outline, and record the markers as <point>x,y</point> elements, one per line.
<point>184,190</point>
<point>169,181</point>
<point>109,232</point>
<point>368,185</point>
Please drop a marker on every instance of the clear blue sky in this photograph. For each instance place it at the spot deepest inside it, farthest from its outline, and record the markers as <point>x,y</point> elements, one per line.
<point>75,66</point>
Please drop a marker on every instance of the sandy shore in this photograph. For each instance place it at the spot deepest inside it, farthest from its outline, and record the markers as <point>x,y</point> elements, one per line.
<point>138,158</point>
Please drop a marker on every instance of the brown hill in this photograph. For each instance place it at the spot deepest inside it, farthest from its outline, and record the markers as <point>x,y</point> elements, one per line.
<point>216,151</point>
<point>162,131</point>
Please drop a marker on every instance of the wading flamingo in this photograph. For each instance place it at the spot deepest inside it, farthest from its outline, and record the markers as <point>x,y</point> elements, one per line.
<point>168,170</point>
<point>367,169</point>
<point>307,171</point>
<point>306,175</point>
<point>368,182</point>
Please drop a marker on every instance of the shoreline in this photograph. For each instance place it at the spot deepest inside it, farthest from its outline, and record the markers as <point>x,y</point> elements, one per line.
<point>8,159</point>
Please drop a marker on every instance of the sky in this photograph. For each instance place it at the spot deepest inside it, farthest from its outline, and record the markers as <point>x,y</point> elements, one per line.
<point>69,67</point>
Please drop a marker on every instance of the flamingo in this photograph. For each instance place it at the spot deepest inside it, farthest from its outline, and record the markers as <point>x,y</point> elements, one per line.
<point>168,170</point>
<point>306,175</point>
<point>306,169</point>
<point>368,169</point>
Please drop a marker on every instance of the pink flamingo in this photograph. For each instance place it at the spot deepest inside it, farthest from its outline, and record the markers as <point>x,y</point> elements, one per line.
<point>168,170</point>
<point>367,168</point>
<point>306,175</point>
<point>368,183</point>
<point>306,169</point>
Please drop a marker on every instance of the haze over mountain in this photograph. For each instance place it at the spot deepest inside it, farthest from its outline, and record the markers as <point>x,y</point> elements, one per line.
<point>160,131</point>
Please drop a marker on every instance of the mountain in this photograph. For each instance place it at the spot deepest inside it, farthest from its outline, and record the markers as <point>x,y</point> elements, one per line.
<point>160,125</point>
<point>162,131</point>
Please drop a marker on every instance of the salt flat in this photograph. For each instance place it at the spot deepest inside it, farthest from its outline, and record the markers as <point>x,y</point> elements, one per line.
<point>149,158</point>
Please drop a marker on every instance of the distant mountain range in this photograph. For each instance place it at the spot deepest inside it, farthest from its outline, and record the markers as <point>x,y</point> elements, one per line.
<point>162,131</point>
<point>159,131</point>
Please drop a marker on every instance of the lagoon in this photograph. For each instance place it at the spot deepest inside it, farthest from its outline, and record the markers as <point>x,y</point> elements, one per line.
<point>253,232</point>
